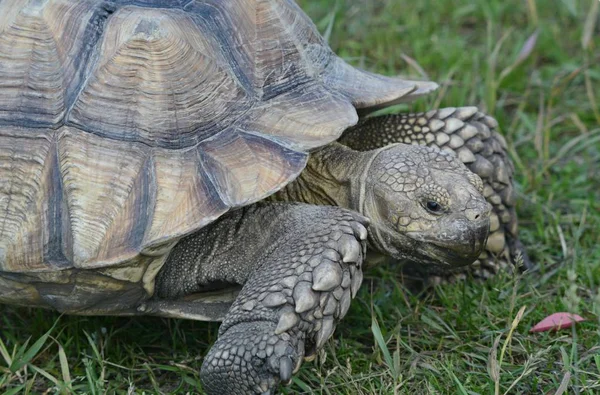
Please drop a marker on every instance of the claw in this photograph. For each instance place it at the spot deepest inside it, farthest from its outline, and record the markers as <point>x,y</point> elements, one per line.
<point>310,357</point>
<point>346,279</point>
<point>264,387</point>
<point>356,282</point>
<point>366,221</point>
<point>326,331</point>
<point>360,231</point>
<point>300,358</point>
<point>345,304</point>
<point>285,369</point>
<point>297,365</point>
<point>330,307</point>
<point>350,250</point>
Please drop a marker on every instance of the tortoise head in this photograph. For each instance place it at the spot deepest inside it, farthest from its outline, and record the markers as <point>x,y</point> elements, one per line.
<point>425,205</point>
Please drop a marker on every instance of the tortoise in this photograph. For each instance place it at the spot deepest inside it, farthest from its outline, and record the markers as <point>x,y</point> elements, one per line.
<point>179,159</point>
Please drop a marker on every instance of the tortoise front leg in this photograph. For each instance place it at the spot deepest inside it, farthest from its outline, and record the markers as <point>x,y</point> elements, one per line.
<point>473,137</point>
<point>303,266</point>
<point>291,303</point>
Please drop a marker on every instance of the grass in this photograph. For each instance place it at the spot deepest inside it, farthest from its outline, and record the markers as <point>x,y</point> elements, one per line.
<point>466,338</point>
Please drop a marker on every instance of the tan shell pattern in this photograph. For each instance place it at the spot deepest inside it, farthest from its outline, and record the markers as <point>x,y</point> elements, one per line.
<point>125,125</point>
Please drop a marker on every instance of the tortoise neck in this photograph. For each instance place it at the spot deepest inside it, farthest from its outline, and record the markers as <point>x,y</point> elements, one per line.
<point>334,175</point>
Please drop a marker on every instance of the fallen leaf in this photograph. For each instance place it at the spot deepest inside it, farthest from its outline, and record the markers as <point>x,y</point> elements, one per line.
<point>556,321</point>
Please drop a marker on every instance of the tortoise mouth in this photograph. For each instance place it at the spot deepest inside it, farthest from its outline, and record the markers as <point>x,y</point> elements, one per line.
<point>452,257</point>
<point>459,248</point>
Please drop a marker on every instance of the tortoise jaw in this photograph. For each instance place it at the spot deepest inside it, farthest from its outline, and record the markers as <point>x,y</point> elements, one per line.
<point>458,245</point>
<point>454,247</point>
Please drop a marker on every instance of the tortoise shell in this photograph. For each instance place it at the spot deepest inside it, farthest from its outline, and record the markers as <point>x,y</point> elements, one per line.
<point>126,125</point>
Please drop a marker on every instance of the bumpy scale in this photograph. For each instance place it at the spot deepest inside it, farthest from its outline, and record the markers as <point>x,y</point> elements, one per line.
<point>300,271</point>
<point>300,264</point>
<point>473,137</point>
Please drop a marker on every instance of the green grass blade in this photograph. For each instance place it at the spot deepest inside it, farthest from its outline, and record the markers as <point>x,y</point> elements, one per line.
<point>27,356</point>
<point>15,390</point>
<point>376,330</point>
<point>461,388</point>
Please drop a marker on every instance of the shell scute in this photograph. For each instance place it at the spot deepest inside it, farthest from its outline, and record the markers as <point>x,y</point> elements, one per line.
<point>44,46</point>
<point>25,165</point>
<point>159,80</point>
<point>128,124</point>
<point>101,184</point>
<point>270,41</point>
<point>185,199</point>
<point>245,166</point>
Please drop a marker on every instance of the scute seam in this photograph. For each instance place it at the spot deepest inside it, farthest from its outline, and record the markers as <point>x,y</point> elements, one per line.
<point>92,51</point>
<point>62,239</point>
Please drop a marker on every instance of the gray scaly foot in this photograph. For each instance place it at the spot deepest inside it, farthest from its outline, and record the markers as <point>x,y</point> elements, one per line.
<point>290,305</point>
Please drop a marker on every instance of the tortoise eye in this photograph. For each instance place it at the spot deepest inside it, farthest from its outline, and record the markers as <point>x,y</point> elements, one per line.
<point>433,206</point>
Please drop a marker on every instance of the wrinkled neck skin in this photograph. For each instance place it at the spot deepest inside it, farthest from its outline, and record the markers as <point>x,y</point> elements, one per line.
<point>335,176</point>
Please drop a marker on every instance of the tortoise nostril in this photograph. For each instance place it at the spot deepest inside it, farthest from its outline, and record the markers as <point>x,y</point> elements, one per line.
<point>474,214</point>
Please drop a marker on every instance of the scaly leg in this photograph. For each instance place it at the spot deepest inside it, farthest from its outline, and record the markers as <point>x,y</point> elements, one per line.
<point>301,266</point>
<point>472,136</point>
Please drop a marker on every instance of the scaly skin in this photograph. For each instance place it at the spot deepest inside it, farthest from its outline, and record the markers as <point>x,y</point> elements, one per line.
<point>473,136</point>
<point>300,265</point>
<point>392,186</point>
